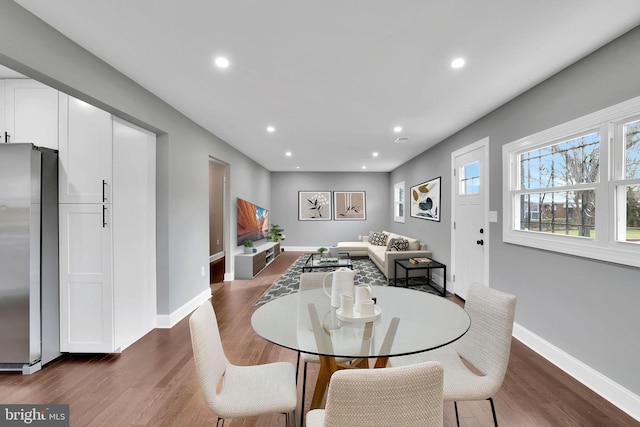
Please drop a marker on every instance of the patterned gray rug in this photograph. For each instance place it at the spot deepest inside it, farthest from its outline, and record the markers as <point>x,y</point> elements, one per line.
<point>366,273</point>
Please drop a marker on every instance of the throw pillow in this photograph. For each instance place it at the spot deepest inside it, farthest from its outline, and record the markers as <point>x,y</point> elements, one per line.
<point>400,245</point>
<point>378,239</point>
<point>390,243</point>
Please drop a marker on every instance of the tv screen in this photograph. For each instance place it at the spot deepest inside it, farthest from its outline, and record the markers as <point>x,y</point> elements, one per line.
<point>253,222</point>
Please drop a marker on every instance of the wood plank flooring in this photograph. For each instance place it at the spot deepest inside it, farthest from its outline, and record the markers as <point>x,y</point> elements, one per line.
<point>153,382</point>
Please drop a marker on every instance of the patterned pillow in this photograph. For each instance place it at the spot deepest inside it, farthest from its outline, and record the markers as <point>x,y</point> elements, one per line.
<point>390,242</point>
<point>378,239</point>
<point>400,245</point>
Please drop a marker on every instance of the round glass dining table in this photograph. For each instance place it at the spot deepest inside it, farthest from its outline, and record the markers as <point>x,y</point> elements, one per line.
<point>407,321</point>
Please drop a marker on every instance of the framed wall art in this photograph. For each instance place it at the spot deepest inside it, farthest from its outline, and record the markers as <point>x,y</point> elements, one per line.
<point>314,205</point>
<point>349,205</point>
<point>425,200</point>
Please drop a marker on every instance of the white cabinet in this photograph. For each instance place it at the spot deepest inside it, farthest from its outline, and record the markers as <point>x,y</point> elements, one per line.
<point>86,291</point>
<point>107,231</point>
<point>134,236</point>
<point>30,113</point>
<point>85,152</point>
<point>248,266</point>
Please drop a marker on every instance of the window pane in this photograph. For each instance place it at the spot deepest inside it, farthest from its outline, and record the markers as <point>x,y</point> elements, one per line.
<point>633,213</point>
<point>575,161</point>
<point>563,212</point>
<point>470,178</point>
<point>632,150</point>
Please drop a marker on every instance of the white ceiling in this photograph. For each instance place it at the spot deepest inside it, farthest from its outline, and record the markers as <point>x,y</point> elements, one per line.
<point>335,77</point>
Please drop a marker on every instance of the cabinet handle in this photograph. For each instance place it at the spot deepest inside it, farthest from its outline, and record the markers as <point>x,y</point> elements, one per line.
<point>6,137</point>
<point>104,184</point>
<point>104,216</point>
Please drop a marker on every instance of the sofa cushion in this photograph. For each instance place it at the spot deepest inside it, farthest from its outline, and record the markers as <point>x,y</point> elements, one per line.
<point>414,244</point>
<point>378,252</point>
<point>378,239</point>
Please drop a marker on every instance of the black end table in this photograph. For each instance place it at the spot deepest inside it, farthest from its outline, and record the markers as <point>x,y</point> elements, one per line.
<point>409,266</point>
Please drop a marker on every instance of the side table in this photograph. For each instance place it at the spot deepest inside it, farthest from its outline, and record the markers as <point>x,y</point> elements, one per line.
<point>408,266</point>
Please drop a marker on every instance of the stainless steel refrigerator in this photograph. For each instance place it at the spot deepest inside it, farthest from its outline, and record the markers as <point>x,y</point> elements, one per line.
<point>29,291</point>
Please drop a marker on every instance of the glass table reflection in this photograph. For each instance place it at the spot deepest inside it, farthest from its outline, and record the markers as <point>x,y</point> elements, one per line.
<point>422,322</point>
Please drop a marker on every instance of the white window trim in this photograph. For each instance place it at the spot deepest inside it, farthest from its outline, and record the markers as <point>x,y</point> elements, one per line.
<point>396,202</point>
<point>604,246</point>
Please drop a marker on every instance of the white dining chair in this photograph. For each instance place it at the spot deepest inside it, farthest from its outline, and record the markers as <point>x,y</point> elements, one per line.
<point>406,396</point>
<point>486,346</point>
<point>232,391</point>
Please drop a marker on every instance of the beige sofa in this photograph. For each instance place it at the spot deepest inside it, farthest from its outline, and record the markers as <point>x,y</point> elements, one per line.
<point>385,258</point>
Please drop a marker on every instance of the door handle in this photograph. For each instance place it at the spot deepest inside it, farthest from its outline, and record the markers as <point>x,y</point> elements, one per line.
<point>480,242</point>
<point>104,216</point>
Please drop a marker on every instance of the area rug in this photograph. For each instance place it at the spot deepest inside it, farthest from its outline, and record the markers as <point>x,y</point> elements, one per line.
<point>366,273</point>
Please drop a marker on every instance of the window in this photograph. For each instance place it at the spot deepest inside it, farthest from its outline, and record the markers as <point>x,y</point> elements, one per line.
<point>398,202</point>
<point>575,188</point>
<point>470,178</point>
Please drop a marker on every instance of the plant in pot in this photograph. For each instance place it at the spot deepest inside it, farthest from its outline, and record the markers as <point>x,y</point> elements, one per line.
<point>275,234</point>
<point>322,251</point>
<point>248,246</point>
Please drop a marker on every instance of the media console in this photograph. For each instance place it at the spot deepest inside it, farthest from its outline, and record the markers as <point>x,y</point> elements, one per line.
<point>248,266</point>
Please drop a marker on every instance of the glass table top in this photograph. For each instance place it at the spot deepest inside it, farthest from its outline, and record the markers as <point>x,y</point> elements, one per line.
<point>426,322</point>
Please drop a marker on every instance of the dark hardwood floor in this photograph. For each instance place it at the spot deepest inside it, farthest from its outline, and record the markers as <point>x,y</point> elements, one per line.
<point>153,382</point>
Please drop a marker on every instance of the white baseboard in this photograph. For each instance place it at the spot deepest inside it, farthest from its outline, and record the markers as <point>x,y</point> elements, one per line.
<point>168,321</point>
<point>228,277</point>
<point>604,386</point>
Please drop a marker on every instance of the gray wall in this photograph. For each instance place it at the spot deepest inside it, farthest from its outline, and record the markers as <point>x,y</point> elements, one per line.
<point>585,307</point>
<point>284,206</point>
<point>36,50</point>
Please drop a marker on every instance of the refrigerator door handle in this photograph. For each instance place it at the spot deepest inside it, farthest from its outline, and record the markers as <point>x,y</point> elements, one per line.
<point>104,197</point>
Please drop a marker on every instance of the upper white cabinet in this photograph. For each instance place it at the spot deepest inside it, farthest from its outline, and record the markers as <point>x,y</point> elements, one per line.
<point>30,113</point>
<point>85,152</point>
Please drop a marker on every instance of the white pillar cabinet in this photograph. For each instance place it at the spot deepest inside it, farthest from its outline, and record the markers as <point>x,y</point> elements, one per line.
<point>107,230</point>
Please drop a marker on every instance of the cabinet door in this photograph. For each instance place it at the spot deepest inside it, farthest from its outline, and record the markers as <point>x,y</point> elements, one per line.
<point>31,113</point>
<point>2,113</point>
<point>85,152</point>
<point>134,232</point>
<point>86,286</point>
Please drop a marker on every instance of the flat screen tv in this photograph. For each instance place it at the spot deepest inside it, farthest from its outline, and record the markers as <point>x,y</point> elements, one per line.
<point>253,222</point>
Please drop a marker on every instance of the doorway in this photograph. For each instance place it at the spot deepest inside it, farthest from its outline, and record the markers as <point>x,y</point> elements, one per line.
<point>469,230</point>
<point>217,215</point>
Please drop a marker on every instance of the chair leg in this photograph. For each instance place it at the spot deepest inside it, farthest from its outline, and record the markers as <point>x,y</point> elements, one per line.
<point>455,405</point>
<point>218,422</point>
<point>304,386</point>
<point>493,411</point>
<point>297,368</point>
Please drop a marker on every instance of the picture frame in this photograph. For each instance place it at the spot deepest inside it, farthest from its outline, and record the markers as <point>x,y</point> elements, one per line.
<point>425,200</point>
<point>314,206</point>
<point>349,206</point>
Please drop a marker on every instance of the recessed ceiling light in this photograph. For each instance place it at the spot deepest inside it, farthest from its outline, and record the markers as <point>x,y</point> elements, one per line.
<point>271,129</point>
<point>397,129</point>
<point>288,154</point>
<point>364,167</point>
<point>375,154</point>
<point>297,167</point>
<point>221,62</point>
<point>457,63</point>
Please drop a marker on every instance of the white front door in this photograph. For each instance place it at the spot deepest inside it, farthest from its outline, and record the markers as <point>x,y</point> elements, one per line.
<point>470,199</point>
